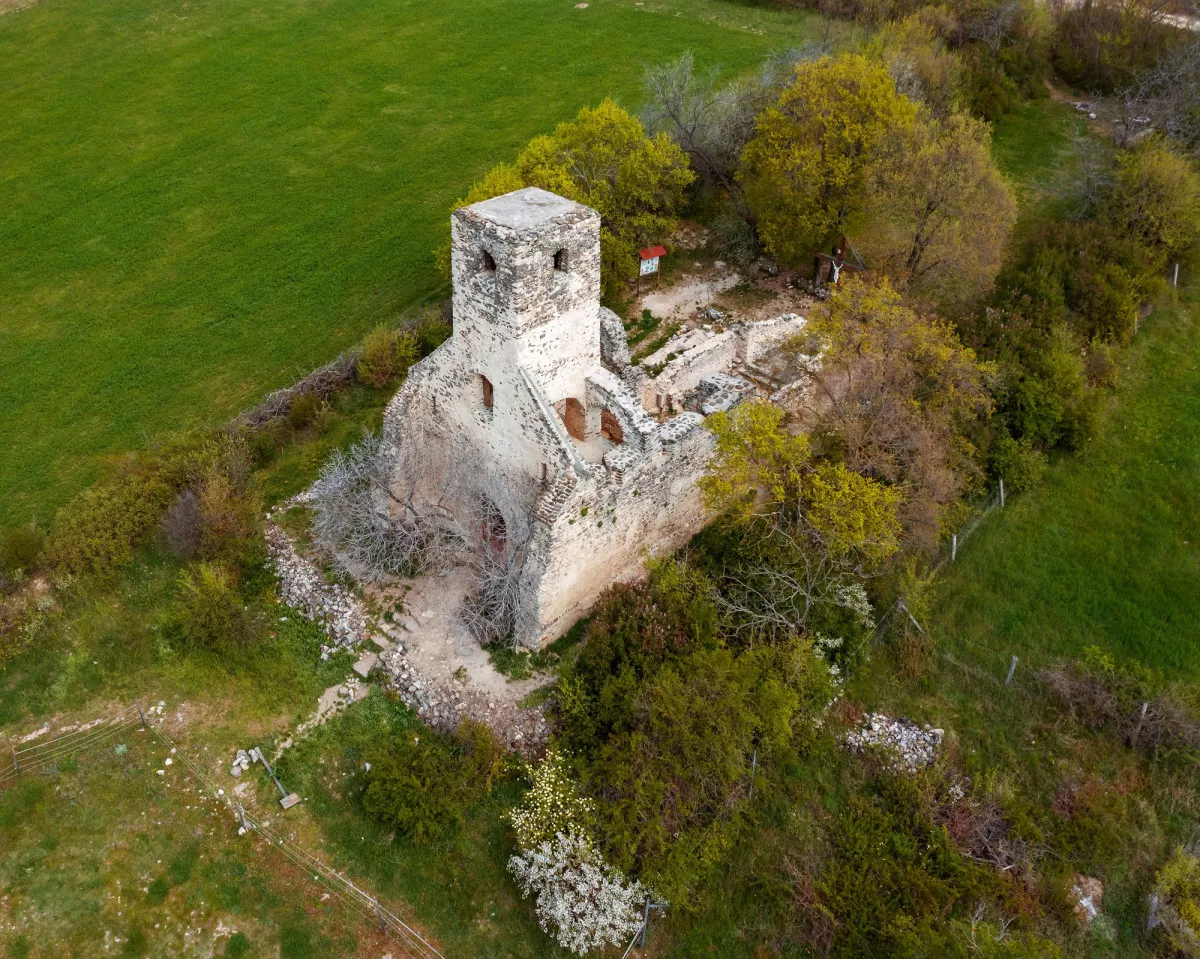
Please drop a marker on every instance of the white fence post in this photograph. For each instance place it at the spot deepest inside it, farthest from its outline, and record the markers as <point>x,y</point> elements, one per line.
<point>953,547</point>
<point>1012,668</point>
<point>1002,492</point>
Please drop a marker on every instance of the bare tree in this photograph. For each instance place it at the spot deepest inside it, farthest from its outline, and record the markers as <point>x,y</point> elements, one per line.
<point>797,577</point>
<point>994,27</point>
<point>1167,95</point>
<point>1089,178</point>
<point>712,123</point>
<point>366,531</point>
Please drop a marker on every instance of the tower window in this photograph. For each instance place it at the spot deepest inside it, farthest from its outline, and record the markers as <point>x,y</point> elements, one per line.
<point>488,395</point>
<point>560,260</point>
<point>489,262</point>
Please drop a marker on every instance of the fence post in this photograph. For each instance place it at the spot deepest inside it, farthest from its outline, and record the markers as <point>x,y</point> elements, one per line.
<point>753,767</point>
<point>645,925</point>
<point>379,916</point>
<point>141,714</point>
<point>1152,918</point>
<point>1138,729</point>
<point>953,547</point>
<point>1175,282</point>
<point>242,817</point>
<point>1012,668</point>
<point>1002,492</point>
<point>16,764</point>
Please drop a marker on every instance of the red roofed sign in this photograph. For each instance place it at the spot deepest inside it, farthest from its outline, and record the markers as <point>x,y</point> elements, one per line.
<point>650,257</point>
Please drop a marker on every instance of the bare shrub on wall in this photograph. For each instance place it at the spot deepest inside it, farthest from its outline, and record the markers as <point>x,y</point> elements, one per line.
<point>364,530</point>
<point>502,602</point>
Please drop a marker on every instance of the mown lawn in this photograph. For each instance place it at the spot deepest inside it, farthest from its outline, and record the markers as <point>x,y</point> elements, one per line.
<point>202,199</point>
<point>1107,553</point>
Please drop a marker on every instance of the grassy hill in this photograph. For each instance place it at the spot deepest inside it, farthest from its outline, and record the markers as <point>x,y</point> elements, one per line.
<point>202,199</point>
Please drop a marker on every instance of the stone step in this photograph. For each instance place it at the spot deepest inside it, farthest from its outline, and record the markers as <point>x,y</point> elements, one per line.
<point>365,664</point>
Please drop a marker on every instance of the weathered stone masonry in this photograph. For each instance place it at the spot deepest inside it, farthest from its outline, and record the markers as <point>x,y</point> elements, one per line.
<point>533,406</point>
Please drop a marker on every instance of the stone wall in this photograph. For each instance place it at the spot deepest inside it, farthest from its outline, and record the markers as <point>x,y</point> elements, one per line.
<point>486,414</point>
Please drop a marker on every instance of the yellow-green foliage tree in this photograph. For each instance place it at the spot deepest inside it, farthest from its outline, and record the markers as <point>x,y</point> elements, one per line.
<point>761,471</point>
<point>914,51</point>
<point>1157,198</point>
<point>896,398</point>
<point>938,211</point>
<point>605,160</point>
<point>805,168</point>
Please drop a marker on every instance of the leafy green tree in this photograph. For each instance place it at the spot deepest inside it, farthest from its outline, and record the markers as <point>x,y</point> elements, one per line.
<point>671,787</point>
<point>939,213</point>
<point>1157,198</point>
<point>805,169</point>
<point>603,159</point>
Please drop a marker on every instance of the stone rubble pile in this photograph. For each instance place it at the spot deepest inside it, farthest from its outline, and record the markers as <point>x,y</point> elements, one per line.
<point>303,587</point>
<point>241,763</point>
<point>914,747</point>
<point>440,705</point>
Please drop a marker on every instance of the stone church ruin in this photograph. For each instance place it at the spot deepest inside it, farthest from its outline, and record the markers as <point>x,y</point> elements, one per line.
<point>530,439</point>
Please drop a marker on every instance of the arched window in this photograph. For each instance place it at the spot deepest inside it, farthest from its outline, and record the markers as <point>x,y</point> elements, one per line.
<point>575,419</point>
<point>489,262</point>
<point>488,394</point>
<point>493,531</point>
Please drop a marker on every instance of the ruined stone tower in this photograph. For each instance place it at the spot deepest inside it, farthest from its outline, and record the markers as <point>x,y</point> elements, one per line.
<point>532,408</point>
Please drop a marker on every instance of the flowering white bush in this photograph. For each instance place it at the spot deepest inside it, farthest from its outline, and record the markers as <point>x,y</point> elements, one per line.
<point>553,806</point>
<point>580,900</point>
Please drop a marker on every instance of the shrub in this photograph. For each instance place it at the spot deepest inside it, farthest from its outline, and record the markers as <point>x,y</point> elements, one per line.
<point>876,898</point>
<point>20,549</point>
<point>217,517</point>
<point>580,900</point>
<point>1100,366</point>
<point>1103,694</point>
<point>183,526</point>
<point>1157,198</point>
<point>1178,890</point>
<point>210,612</point>
<point>387,353</point>
<point>433,328</point>
<point>304,410</point>
<point>552,806</point>
<point>1018,463</point>
<point>424,784</point>
<point>99,528</point>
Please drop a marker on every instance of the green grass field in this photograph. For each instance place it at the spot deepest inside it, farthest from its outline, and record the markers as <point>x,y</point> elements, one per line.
<point>200,201</point>
<point>1108,552</point>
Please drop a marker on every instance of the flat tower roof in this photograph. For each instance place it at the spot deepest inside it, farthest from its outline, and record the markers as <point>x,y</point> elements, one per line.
<point>525,208</point>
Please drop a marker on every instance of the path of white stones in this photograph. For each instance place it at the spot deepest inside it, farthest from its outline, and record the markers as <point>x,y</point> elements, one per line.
<point>303,587</point>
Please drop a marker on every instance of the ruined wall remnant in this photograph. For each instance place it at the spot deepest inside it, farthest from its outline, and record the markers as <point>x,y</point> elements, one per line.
<point>527,431</point>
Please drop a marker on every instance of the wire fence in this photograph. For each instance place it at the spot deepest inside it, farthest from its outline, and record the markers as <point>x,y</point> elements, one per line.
<point>44,757</point>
